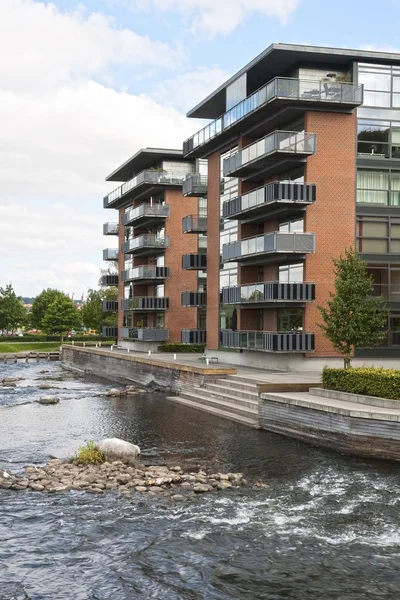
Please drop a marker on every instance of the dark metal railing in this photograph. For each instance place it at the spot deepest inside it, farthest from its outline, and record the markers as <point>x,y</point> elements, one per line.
<point>143,242</point>
<point>145,303</point>
<point>267,341</point>
<point>144,334</point>
<point>109,332</point>
<point>197,262</point>
<point>194,298</point>
<point>145,211</point>
<point>109,280</point>
<point>271,291</point>
<point>145,273</point>
<point>195,185</point>
<point>194,224</point>
<point>193,336</point>
<point>110,306</point>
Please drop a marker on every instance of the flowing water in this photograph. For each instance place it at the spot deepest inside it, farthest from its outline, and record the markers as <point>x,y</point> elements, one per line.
<point>325,526</point>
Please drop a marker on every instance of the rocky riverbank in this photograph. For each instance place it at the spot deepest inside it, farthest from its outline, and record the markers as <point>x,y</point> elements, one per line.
<point>60,476</point>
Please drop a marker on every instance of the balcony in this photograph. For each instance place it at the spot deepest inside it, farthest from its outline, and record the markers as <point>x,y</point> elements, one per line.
<point>146,274</point>
<point>267,341</point>
<point>143,185</point>
<point>144,334</point>
<point>110,254</point>
<point>269,247</point>
<point>110,229</point>
<point>109,332</point>
<point>293,94</point>
<point>279,151</point>
<point>146,215</point>
<point>273,200</point>
<point>194,299</point>
<point>145,245</point>
<point>195,185</point>
<point>145,304</point>
<point>194,262</point>
<point>193,336</point>
<point>109,280</point>
<point>194,224</point>
<point>110,306</point>
<point>270,292</point>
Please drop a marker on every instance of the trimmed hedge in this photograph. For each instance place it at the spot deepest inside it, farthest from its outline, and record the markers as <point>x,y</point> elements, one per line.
<point>36,337</point>
<point>369,381</point>
<point>181,348</point>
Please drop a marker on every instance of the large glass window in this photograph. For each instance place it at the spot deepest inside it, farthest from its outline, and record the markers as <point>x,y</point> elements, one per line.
<point>295,226</point>
<point>291,273</point>
<point>290,319</point>
<point>381,83</point>
<point>378,187</point>
<point>378,235</point>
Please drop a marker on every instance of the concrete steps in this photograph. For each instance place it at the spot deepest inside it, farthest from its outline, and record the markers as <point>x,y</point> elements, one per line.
<point>213,410</point>
<point>231,392</point>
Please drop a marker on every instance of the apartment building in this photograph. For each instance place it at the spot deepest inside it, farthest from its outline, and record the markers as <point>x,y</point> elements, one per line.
<point>161,254</point>
<point>303,152</point>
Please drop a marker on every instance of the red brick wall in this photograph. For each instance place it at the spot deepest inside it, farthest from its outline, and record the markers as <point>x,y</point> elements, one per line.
<point>213,252</point>
<point>332,218</point>
<point>121,267</point>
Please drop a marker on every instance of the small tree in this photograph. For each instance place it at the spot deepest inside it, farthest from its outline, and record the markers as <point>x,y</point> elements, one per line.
<point>353,318</point>
<point>93,315</point>
<point>61,316</point>
<point>40,305</point>
<point>12,310</point>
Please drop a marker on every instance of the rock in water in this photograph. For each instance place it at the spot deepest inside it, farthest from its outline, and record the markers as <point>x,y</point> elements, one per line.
<point>49,400</point>
<point>115,449</point>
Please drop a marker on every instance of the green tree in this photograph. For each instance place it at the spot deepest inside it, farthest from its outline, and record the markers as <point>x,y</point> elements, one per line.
<point>40,305</point>
<point>353,317</point>
<point>12,310</point>
<point>61,316</point>
<point>93,315</point>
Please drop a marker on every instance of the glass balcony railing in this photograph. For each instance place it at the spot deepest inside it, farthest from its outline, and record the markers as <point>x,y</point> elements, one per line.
<point>259,201</point>
<point>109,280</point>
<point>269,243</point>
<point>145,212</point>
<point>194,224</point>
<point>145,273</point>
<point>109,332</point>
<point>194,262</point>
<point>193,336</point>
<point>144,334</point>
<point>267,341</point>
<point>147,243</point>
<point>149,177</point>
<point>290,143</point>
<point>281,88</point>
<point>146,303</point>
<point>110,229</point>
<point>271,291</point>
<point>195,185</point>
<point>194,299</point>
<point>110,254</point>
<point>110,306</point>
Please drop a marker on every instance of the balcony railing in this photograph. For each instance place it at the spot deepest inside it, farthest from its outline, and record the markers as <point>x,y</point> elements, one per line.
<point>194,299</point>
<point>271,291</point>
<point>194,224</point>
<point>255,156</point>
<point>144,304</point>
<point>279,90</point>
<point>145,213</point>
<point>109,332</point>
<point>193,336</point>
<point>273,197</point>
<point>195,185</point>
<point>109,280</point>
<point>194,262</point>
<point>144,334</point>
<point>145,244</point>
<point>147,177</point>
<point>110,306</point>
<point>110,254</point>
<point>145,273</point>
<point>269,243</point>
<point>267,341</point>
<point>110,229</point>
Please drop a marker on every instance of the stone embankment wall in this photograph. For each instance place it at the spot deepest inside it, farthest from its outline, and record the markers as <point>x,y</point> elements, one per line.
<point>127,369</point>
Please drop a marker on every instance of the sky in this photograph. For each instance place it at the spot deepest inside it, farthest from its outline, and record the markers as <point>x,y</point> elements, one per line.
<point>84,85</point>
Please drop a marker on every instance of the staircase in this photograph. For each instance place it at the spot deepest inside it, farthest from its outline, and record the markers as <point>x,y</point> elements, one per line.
<point>232,397</point>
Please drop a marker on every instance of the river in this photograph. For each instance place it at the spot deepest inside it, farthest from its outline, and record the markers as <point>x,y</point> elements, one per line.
<point>324,527</point>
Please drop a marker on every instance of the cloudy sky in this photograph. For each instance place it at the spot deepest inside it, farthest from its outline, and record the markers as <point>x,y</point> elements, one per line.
<point>85,84</point>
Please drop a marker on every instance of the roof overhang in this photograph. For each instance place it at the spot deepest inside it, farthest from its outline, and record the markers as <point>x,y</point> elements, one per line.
<point>279,60</point>
<point>144,159</point>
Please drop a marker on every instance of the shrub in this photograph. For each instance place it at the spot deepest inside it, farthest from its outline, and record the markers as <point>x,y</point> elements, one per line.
<point>38,337</point>
<point>369,381</point>
<point>181,348</point>
<point>88,455</point>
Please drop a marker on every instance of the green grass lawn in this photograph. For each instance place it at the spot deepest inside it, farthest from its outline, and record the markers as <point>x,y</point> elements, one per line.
<point>26,346</point>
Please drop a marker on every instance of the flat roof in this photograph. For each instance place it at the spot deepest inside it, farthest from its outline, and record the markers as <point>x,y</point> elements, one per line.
<point>143,159</point>
<point>278,59</point>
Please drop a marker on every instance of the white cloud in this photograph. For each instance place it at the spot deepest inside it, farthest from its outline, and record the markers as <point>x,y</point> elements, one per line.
<point>222,16</point>
<point>63,130</point>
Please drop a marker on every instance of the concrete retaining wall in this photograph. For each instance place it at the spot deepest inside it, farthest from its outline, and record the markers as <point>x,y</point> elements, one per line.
<point>126,369</point>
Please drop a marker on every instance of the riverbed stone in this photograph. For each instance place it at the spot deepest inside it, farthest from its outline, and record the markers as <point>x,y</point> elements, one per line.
<point>224,485</point>
<point>115,449</point>
<point>46,400</point>
<point>36,487</point>
<point>201,488</point>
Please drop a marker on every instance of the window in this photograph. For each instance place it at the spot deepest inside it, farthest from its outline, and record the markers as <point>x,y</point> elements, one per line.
<point>290,319</point>
<point>378,235</point>
<point>381,85</point>
<point>291,273</point>
<point>378,187</point>
<point>296,226</point>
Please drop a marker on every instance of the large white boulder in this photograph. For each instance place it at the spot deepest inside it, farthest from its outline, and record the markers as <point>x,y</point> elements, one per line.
<point>116,449</point>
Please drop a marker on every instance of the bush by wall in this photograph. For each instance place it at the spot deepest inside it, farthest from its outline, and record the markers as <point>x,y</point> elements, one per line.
<point>181,348</point>
<point>369,381</point>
